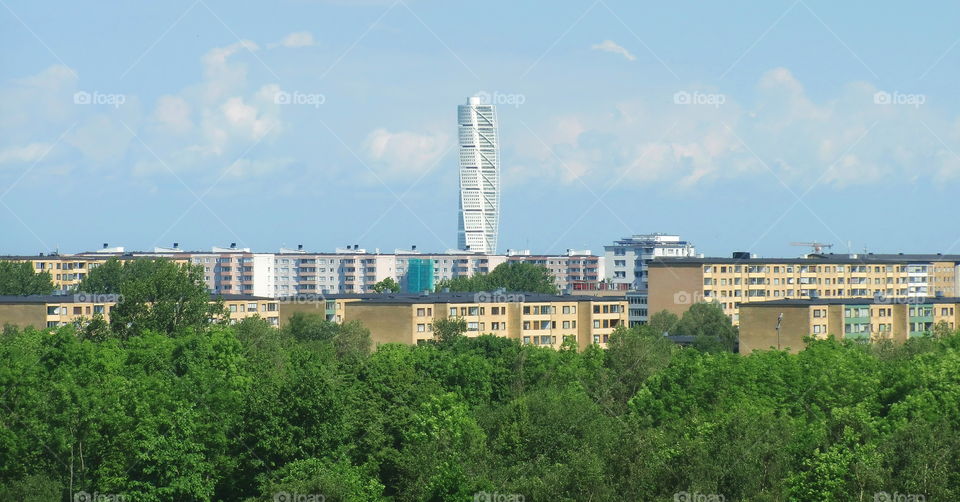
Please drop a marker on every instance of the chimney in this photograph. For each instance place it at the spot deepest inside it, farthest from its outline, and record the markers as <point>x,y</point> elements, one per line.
<point>233,245</point>
<point>356,246</point>
<point>413,247</point>
<point>176,245</point>
<point>299,247</point>
<point>106,245</point>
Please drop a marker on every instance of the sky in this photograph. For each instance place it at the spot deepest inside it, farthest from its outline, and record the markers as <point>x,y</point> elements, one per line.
<point>741,126</point>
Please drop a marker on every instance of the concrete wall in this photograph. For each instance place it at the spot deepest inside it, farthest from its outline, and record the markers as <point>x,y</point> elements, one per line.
<point>758,327</point>
<point>23,315</point>
<point>674,288</point>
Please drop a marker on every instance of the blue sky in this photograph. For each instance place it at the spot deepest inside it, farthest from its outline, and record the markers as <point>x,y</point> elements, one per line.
<point>739,125</point>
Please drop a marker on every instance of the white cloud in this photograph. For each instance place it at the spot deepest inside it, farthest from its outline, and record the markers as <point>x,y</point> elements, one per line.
<point>404,152</point>
<point>611,46</point>
<point>295,40</point>
<point>24,154</point>
<point>780,133</point>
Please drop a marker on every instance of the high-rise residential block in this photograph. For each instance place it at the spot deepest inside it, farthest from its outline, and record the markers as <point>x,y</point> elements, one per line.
<point>479,215</point>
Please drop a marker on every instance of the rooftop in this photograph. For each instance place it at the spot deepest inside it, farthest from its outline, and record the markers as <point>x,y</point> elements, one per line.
<point>854,301</point>
<point>811,259</point>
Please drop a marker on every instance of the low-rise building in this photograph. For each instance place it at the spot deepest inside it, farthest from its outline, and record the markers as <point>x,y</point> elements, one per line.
<point>677,283</point>
<point>862,319</point>
<point>50,311</point>
<point>544,320</point>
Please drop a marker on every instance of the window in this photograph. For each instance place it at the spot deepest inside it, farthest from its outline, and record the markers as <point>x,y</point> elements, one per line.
<point>421,328</point>
<point>421,312</point>
<point>566,324</point>
<point>596,324</point>
<point>453,311</point>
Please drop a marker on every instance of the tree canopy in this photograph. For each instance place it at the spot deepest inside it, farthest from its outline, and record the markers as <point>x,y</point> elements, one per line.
<point>19,278</point>
<point>512,276</point>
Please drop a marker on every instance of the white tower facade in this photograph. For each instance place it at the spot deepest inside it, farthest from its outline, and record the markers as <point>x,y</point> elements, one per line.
<point>479,218</point>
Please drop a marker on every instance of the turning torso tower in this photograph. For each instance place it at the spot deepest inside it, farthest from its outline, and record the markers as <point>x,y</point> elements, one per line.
<point>479,218</point>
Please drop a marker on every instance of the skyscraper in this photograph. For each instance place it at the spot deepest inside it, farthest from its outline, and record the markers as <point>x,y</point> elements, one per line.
<point>479,218</point>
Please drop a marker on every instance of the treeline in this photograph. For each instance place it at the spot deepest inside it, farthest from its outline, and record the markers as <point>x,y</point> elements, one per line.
<point>247,412</point>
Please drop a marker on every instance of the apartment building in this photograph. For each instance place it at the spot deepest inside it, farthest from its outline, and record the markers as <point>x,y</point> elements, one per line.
<point>235,270</point>
<point>677,283</point>
<point>864,319</point>
<point>50,311</point>
<point>627,260</point>
<point>544,320</point>
<point>573,267</point>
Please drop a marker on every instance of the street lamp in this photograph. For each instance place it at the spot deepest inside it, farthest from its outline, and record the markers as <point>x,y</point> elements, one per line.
<point>779,320</point>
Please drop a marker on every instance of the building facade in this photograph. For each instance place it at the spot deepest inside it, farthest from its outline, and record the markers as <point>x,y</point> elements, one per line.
<point>51,311</point>
<point>677,283</point>
<point>627,260</point>
<point>866,320</point>
<point>479,214</point>
<point>534,319</point>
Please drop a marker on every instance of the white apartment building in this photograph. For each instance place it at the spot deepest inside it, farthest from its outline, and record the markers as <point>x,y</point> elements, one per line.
<point>626,263</point>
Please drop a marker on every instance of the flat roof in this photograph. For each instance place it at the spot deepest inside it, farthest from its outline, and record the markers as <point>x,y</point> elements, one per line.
<point>820,259</point>
<point>104,298</point>
<point>484,297</point>
<point>853,301</point>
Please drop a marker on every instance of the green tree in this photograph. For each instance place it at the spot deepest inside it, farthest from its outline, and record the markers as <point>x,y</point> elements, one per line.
<point>707,323</point>
<point>663,322</point>
<point>162,296</point>
<point>387,285</point>
<point>106,278</point>
<point>448,329</point>
<point>19,278</point>
<point>512,276</point>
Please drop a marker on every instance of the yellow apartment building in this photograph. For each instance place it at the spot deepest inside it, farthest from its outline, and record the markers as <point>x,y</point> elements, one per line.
<point>677,283</point>
<point>50,311</point>
<point>865,320</point>
<point>536,319</point>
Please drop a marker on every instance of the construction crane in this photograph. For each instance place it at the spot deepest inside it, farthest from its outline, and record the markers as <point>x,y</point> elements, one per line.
<point>816,246</point>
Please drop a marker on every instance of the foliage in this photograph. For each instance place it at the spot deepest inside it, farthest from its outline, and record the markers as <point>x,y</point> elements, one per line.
<point>511,276</point>
<point>18,278</point>
<point>388,285</point>
<point>156,295</point>
<point>249,412</point>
